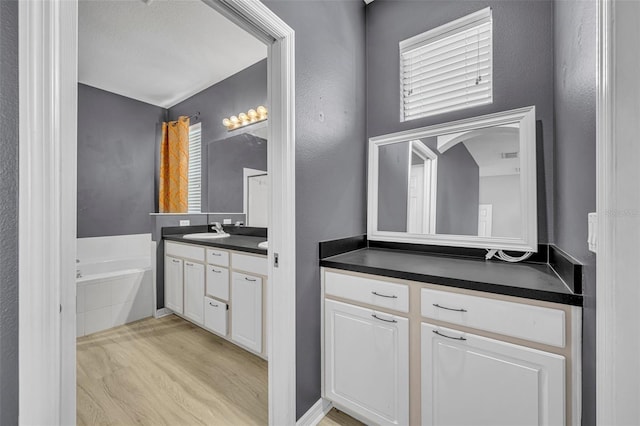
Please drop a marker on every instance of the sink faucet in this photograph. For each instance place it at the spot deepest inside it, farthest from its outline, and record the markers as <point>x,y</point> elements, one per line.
<point>215,226</point>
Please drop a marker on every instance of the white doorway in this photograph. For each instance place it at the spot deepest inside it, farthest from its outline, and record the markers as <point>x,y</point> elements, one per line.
<point>485,219</point>
<point>423,183</point>
<point>48,123</point>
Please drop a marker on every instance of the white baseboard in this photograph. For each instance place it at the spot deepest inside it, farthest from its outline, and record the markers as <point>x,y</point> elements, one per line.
<point>162,312</point>
<point>316,413</point>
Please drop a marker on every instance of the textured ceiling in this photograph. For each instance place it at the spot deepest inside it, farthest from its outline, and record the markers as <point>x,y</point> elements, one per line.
<point>160,52</point>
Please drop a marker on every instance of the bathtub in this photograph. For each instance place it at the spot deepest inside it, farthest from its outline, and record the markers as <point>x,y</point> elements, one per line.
<point>112,291</point>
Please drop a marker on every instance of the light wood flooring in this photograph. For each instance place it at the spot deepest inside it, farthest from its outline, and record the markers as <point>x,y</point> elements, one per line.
<point>167,371</point>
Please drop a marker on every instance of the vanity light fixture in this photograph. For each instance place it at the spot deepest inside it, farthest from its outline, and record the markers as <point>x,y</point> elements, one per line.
<point>244,119</point>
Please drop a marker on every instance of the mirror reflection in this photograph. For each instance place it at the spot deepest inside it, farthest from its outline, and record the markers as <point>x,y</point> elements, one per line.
<point>464,183</point>
<point>237,180</point>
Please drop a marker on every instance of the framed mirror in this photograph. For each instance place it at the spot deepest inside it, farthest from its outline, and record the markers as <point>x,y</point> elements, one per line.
<point>468,183</point>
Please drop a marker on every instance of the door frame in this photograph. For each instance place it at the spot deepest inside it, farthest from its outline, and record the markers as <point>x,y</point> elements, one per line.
<point>48,32</point>
<point>618,209</point>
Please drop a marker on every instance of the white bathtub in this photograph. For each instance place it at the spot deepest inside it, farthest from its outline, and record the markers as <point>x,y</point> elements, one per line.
<point>112,291</point>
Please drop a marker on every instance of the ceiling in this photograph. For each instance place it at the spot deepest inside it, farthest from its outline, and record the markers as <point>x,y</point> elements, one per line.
<point>162,51</point>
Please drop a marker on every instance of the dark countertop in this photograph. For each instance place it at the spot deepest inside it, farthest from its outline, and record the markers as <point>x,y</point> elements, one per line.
<point>244,243</point>
<point>529,280</point>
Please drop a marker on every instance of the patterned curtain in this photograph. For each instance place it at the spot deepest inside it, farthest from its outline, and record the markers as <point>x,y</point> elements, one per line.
<point>174,166</point>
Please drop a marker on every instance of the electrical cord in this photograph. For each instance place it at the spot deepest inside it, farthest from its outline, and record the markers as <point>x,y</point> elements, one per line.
<point>505,257</point>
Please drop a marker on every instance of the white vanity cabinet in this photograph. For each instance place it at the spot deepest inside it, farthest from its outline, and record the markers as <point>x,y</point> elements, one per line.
<point>193,291</point>
<point>367,362</point>
<point>462,357</point>
<point>173,284</point>
<point>246,313</point>
<point>219,290</point>
<point>473,380</point>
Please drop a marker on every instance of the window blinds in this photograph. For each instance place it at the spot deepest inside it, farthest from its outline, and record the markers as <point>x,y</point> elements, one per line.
<point>447,68</point>
<point>195,165</point>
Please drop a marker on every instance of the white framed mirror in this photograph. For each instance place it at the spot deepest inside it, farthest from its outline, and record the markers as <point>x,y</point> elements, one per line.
<point>468,183</point>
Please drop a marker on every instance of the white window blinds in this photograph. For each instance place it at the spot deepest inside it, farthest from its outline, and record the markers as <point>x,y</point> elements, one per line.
<point>195,166</point>
<point>447,68</point>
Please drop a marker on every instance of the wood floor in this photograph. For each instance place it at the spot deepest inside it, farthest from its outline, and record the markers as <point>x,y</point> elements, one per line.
<point>168,372</point>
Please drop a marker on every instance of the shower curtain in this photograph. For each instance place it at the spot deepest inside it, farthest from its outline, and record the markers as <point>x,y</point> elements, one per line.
<point>174,167</point>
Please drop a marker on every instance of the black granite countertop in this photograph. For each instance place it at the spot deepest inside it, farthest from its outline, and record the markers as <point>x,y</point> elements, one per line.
<point>529,280</point>
<point>237,242</point>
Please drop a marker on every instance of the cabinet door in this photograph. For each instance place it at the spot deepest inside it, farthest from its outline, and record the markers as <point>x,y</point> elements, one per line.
<point>194,291</point>
<point>367,362</point>
<point>246,311</point>
<point>218,282</point>
<point>173,287</point>
<point>473,380</point>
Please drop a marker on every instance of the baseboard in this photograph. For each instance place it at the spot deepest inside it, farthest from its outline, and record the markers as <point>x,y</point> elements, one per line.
<point>316,413</point>
<point>162,312</point>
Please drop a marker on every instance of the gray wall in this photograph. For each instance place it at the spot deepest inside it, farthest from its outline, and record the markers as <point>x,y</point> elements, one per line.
<point>458,192</point>
<point>118,139</point>
<point>242,91</point>
<point>330,155</point>
<point>9,212</point>
<point>522,61</point>
<point>499,192</point>
<point>225,160</point>
<point>575,161</point>
<point>393,178</point>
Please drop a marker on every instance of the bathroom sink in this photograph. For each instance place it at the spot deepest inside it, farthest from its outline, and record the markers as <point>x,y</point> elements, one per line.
<point>206,236</point>
<point>264,245</point>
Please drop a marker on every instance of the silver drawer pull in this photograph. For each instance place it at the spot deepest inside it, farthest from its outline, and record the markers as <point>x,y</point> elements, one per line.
<point>448,337</point>
<point>393,296</point>
<point>249,279</point>
<point>217,272</point>
<point>175,260</point>
<point>449,309</point>
<point>215,306</point>
<point>216,254</point>
<point>188,264</point>
<point>382,319</point>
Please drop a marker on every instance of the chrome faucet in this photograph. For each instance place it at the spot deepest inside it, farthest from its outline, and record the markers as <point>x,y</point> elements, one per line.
<point>215,226</point>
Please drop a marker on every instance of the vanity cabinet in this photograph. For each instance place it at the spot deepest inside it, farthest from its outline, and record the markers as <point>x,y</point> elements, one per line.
<point>469,379</point>
<point>173,284</point>
<point>367,362</point>
<point>460,356</point>
<point>246,315</point>
<point>219,290</point>
<point>193,291</point>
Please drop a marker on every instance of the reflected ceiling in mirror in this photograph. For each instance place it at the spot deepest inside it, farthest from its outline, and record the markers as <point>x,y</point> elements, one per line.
<point>468,183</point>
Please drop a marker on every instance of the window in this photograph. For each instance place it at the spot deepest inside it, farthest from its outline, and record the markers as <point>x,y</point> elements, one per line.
<point>195,166</point>
<point>447,68</point>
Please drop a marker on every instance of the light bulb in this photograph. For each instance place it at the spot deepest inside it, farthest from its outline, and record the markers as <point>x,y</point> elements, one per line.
<point>262,110</point>
<point>226,122</point>
<point>243,117</point>
<point>252,114</point>
<point>234,119</point>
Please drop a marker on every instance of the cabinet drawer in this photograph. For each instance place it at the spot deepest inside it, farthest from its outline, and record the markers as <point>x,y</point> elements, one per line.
<point>215,315</point>
<point>253,264</point>
<point>367,290</point>
<point>218,257</point>
<point>183,250</point>
<point>218,282</point>
<point>534,323</point>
